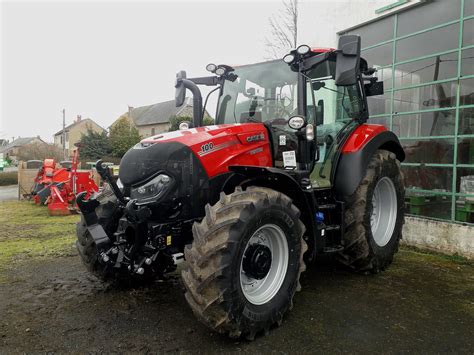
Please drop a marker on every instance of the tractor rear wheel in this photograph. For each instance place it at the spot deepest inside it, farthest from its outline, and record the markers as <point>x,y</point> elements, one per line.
<point>374,216</point>
<point>245,261</point>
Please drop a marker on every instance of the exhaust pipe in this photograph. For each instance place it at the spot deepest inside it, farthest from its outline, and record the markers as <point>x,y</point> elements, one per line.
<point>181,85</point>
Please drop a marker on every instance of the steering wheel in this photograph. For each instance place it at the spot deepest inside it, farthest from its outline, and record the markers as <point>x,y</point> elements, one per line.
<point>280,110</point>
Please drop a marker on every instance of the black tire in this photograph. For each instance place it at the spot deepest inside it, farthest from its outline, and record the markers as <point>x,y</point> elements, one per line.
<point>212,274</point>
<point>88,252</point>
<point>85,243</point>
<point>361,252</point>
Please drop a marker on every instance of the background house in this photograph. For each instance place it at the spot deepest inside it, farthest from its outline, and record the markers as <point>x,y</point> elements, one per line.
<point>74,132</point>
<point>155,119</point>
<point>11,150</point>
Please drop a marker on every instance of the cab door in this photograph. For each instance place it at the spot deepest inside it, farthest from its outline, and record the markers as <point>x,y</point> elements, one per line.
<point>282,106</point>
<point>331,109</point>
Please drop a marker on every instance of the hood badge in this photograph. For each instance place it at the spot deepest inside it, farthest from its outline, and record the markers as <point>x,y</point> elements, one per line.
<point>255,138</point>
<point>209,147</point>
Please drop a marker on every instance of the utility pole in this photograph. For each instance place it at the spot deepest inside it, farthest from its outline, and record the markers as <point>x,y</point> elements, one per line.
<point>130,117</point>
<point>64,134</point>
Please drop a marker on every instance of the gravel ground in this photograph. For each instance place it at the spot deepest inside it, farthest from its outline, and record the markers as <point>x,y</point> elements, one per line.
<point>422,304</point>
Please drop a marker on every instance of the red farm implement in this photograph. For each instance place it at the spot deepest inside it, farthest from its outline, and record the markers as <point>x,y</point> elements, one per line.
<point>57,187</point>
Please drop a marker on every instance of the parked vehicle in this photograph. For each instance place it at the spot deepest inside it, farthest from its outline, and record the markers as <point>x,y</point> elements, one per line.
<point>291,171</point>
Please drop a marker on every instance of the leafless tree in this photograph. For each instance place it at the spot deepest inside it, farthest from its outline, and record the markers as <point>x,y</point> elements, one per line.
<point>283,30</point>
<point>40,151</point>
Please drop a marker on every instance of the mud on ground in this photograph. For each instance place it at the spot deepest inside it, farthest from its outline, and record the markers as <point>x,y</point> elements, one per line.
<point>49,303</point>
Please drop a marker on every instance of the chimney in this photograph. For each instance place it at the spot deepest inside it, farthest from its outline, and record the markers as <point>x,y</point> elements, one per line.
<point>79,117</point>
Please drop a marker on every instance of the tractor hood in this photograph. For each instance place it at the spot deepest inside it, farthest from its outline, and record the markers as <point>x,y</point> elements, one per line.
<point>195,136</point>
<point>211,149</point>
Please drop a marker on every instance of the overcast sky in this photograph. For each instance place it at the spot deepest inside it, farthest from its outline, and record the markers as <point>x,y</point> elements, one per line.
<point>95,58</point>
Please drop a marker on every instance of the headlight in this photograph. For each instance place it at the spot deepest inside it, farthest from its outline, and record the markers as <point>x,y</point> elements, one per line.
<point>303,49</point>
<point>152,189</point>
<point>296,122</point>
<point>289,58</point>
<point>310,132</point>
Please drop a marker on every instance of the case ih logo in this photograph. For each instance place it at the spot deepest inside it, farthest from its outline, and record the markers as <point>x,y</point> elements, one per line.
<point>256,138</point>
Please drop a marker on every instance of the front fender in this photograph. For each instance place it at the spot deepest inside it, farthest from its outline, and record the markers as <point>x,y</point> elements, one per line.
<point>352,165</point>
<point>296,186</point>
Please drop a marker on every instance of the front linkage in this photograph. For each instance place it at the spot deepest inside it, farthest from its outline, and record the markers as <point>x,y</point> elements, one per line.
<point>131,246</point>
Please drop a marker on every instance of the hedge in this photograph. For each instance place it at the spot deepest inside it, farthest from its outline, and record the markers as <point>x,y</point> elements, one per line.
<point>10,178</point>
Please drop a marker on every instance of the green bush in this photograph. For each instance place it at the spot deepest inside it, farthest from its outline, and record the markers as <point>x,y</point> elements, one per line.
<point>123,136</point>
<point>10,178</point>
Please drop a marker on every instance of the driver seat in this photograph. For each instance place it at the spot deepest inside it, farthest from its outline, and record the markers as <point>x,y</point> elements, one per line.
<point>250,116</point>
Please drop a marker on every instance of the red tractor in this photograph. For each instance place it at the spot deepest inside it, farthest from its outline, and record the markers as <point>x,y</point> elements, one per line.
<point>289,172</point>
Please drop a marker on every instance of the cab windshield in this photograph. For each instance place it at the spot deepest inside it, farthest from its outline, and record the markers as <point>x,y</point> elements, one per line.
<point>261,92</point>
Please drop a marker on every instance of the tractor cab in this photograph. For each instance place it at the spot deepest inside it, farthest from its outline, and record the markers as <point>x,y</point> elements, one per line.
<point>307,101</point>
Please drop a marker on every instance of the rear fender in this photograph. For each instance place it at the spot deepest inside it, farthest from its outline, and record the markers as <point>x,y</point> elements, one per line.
<point>353,161</point>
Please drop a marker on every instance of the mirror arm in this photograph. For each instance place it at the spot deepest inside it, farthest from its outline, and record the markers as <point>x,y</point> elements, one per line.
<point>197,101</point>
<point>364,115</point>
<point>206,80</point>
<point>311,62</point>
<point>372,79</point>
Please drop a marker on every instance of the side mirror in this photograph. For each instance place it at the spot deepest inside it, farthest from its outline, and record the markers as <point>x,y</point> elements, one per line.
<point>318,85</point>
<point>347,60</point>
<point>180,93</point>
<point>374,88</point>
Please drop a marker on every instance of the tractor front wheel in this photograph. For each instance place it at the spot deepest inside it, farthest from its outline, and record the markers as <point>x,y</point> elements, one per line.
<point>245,261</point>
<point>85,243</point>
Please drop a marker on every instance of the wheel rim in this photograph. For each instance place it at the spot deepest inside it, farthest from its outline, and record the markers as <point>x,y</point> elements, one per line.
<point>260,284</point>
<point>384,211</point>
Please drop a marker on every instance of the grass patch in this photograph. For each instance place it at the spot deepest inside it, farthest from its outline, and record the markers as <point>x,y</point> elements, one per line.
<point>432,256</point>
<point>27,231</point>
<point>10,178</point>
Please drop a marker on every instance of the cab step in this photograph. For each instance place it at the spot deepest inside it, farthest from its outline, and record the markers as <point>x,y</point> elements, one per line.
<point>333,249</point>
<point>329,227</point>
<point>328,206</point>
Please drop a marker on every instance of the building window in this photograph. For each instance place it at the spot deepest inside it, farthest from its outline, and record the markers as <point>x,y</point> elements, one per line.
<point>425,57</point>
<point>153,131</point>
